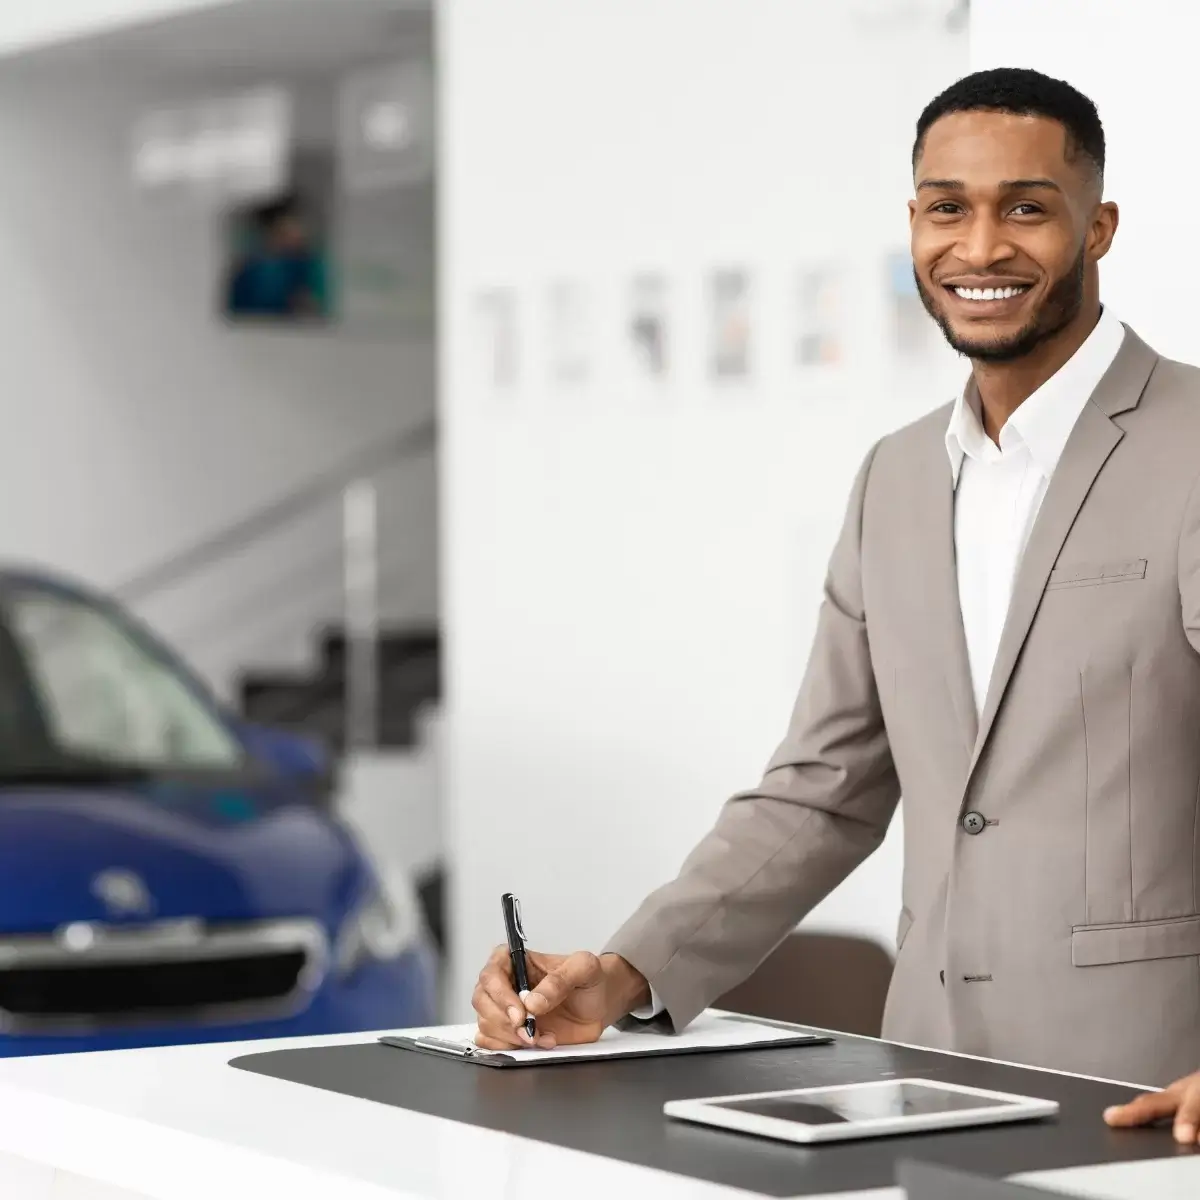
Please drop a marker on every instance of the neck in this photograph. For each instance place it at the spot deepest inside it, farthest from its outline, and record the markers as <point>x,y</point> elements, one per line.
<point>1005,386</point>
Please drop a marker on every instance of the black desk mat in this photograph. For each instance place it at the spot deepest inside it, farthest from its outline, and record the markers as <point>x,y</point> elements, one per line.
<point>614,1109</point>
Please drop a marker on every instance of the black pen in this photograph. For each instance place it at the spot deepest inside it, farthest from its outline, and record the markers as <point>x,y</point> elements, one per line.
<point>516,951</point>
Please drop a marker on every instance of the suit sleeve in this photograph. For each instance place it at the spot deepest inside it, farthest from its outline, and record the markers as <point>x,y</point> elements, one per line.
<point>823,805</point>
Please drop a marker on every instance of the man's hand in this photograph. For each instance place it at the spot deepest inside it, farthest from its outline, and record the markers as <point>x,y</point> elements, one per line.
<point>1180,1101</point>
<point>573,999</point>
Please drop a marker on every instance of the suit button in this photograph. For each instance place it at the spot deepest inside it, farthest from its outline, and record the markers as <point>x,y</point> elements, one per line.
<point>973,822</point>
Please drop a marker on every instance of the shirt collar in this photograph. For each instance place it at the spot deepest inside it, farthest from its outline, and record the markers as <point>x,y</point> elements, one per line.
<point>1044,421</point>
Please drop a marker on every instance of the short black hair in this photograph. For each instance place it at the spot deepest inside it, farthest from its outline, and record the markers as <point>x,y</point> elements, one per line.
<point>1024,93</point>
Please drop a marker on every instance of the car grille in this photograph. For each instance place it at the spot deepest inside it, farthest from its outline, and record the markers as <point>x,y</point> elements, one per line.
<point>92,977</point>
<point>148,987</point>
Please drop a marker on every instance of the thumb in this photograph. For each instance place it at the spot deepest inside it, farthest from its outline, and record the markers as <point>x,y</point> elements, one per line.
<point>576,972</point>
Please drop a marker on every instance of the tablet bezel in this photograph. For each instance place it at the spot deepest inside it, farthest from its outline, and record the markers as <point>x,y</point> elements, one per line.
<point>703,1111</point>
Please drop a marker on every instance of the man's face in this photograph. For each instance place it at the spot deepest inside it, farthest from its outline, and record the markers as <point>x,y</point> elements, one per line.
<point>1004,232</point>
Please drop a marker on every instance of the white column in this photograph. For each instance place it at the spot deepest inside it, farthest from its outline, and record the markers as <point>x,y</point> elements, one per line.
<point>632,563</point>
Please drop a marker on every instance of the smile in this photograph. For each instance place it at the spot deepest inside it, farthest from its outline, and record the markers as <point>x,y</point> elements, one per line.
<point>980,295</point>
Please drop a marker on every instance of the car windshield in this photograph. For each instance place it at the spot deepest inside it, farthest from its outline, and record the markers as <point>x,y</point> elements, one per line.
<point>106,704</point>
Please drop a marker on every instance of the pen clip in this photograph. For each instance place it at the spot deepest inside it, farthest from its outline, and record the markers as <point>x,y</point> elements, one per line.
<point>514,931</point>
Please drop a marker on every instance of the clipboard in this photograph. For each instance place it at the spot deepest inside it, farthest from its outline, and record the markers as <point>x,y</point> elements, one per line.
<point>626,1045</point>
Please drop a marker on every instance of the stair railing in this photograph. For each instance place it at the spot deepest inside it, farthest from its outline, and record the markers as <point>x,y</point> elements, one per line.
<point>360,537</point>
<point>353,485</point>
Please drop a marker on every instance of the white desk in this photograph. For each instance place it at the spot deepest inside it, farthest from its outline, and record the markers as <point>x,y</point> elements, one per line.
<point>179,1124</point>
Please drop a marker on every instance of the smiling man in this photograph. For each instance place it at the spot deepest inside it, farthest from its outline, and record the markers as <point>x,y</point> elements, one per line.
<point>1010,638</point>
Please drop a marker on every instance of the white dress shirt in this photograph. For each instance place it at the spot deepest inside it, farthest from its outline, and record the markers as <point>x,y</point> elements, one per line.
<point>998,491</point>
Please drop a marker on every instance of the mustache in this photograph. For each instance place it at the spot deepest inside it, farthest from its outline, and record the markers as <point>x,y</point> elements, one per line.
<point>957,279</point>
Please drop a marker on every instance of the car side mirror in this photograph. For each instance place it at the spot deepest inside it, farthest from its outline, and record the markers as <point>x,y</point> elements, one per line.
<point>293,757</point>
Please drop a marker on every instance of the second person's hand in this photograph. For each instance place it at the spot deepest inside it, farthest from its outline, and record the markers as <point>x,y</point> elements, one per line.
<point>573,998</point>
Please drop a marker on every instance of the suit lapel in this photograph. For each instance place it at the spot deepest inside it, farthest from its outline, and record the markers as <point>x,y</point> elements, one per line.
<point>941,597</point>
<point>1093,439</point>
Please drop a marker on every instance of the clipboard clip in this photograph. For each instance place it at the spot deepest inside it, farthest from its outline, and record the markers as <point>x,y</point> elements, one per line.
<point>447,1047</point>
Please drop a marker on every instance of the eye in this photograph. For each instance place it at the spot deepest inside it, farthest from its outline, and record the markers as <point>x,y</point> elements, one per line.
<point>945,208</point>
<point>1026,209</point>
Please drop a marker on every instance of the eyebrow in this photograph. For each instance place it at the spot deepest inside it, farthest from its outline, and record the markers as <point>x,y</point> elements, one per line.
<point>1006,185</point>
<point>1028,185</point>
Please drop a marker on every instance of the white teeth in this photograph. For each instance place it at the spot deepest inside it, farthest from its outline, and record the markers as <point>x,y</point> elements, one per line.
<point>1004,293</point>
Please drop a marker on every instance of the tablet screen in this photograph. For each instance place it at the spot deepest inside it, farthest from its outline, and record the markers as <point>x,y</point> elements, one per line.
<point>830,1106</point>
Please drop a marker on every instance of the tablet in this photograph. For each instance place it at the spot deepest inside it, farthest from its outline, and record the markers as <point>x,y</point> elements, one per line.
<point>859,1110</point>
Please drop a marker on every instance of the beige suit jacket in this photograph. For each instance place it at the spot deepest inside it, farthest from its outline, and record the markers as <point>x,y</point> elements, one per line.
<point>1051,912</point>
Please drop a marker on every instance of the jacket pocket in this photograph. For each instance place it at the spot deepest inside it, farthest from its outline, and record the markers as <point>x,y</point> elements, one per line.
<point>1136,941</point>
<point>1091,574</point>
<point>902,927</point>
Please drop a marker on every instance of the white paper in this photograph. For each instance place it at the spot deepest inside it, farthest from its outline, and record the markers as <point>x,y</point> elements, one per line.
<point>712,1030</point>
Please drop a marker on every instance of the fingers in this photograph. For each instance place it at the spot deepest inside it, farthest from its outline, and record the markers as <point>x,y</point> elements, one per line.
<point>1187,1119</point>
<point>576,972</point>
<point>496,982</point>
<point>504,1039</point>
<point>1153,1106</point>
<point>499,1031</point>
<point>495,1023</point>
<point>501,1015</point>
<point>1181,1101</point>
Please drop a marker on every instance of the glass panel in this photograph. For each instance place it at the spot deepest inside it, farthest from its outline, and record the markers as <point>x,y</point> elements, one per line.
<point>107,695</point>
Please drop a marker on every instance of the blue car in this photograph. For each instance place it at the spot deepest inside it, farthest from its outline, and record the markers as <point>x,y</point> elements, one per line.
<point>168,874</point>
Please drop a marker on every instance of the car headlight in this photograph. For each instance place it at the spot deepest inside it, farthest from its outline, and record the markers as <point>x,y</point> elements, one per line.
<point>380,928</point>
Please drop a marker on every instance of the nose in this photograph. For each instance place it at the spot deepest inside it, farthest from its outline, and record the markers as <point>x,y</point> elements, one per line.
<point>984,242</point>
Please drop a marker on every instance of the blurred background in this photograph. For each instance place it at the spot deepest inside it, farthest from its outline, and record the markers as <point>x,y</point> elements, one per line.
<point>427,425</point>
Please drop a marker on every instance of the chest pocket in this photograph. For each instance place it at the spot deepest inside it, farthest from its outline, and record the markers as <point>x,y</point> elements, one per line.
<point>1094,574</point>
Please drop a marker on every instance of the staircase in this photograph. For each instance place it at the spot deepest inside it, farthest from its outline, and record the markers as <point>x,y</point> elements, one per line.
<point>315,702</point>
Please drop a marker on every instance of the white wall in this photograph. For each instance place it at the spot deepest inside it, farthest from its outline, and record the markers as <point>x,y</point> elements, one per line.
<point>26,26</point>
<point>631,575</point>
<point>1137,63</point>
<point>136,423</point>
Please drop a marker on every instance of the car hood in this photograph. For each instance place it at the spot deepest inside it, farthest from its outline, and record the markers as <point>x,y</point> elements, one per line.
<point>221,854</point>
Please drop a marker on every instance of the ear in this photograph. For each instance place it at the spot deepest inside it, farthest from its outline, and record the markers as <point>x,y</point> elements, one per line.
<point>1103,229</point>
<point>912,212</point>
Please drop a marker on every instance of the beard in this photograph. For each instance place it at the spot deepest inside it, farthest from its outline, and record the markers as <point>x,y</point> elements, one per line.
<point>1060,307</point>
